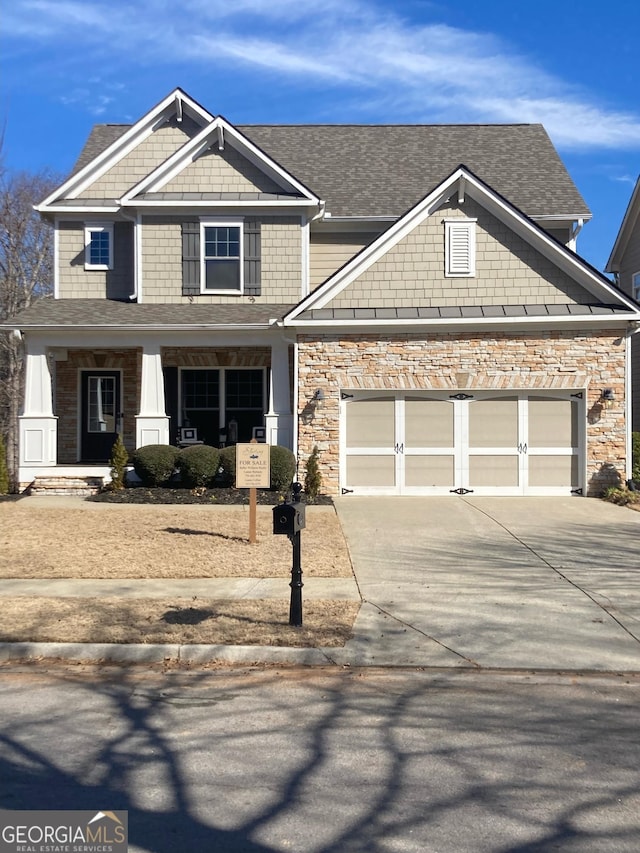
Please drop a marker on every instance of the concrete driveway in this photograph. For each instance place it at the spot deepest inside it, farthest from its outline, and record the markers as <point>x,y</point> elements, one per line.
<point>534,583</point>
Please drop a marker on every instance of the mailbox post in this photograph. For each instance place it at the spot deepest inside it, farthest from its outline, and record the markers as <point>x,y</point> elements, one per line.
<point>289,519</point>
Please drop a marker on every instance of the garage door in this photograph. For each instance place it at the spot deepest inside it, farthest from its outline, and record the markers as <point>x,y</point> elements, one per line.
<point>486,443</point>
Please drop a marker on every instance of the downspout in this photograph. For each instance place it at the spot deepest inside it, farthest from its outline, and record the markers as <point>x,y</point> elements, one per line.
<point>574,234</point>
<point>136,296</point>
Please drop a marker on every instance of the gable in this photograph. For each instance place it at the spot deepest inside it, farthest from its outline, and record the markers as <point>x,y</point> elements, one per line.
<point>148,154</point>
<point>223,170</point>
<point>508,270</point>
<point>408,258</point>
<point>625,255</point>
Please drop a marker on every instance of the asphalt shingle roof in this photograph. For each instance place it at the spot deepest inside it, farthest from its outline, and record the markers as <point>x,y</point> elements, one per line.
<point>64,313</point>
<point>383,170</point>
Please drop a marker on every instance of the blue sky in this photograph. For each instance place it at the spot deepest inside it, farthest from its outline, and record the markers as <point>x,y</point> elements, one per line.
<point>67,64</point>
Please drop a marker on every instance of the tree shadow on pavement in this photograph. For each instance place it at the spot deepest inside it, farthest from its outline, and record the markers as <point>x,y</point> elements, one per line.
<point>265,761</point>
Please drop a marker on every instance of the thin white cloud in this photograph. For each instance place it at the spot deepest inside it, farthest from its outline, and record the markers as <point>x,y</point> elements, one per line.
<point>365,53</point>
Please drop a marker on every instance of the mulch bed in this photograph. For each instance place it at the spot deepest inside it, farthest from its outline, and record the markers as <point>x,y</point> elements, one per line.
<point>219,496</point>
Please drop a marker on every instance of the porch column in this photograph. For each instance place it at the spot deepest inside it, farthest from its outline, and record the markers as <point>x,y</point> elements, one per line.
<point>279,420</point>
<point>38,425</point>
<point>152,422</point>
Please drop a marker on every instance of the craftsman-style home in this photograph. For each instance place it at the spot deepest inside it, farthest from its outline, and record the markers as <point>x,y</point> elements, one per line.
<point>407,298</point>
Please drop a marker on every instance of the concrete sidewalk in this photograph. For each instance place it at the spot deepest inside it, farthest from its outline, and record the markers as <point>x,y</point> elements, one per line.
<point>527,583</point>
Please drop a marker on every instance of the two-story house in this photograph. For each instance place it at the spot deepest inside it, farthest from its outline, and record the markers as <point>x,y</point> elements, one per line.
<point>624,263</point>
<point>407,298</point>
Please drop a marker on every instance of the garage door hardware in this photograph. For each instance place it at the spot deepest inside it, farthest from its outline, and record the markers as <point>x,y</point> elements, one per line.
<point>461,396</point>
<point>461,491</point>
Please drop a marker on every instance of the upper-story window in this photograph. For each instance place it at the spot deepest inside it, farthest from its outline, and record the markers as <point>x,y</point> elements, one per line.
<point>98,246</point>
<point>635,282</point>
<point>221,245</point>
<point>460,247</point>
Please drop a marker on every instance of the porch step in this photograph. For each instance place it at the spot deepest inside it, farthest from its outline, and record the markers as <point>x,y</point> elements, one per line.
<point>78,486</point>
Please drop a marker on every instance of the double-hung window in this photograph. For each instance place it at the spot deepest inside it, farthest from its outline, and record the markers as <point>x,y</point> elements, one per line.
<point>221,253</point>
<point>98,246</point>
<point>635,281</point>
<point>460,247</point>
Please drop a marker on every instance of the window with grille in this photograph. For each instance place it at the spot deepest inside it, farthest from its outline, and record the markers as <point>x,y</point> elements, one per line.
<point>221,254</point>
<point>98,243</point>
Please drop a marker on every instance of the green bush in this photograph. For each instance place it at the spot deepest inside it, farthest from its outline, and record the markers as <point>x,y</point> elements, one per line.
<point>155,463</point>
<point>283,467</point>
<point>635,445</point>
<point>198,465</point>
<point>228,465</point>
<point>313,477</point>
<point>118,462</point>
<point>4,472</point>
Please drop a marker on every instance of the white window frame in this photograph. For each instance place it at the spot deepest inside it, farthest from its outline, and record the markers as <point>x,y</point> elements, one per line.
<point>635,286</point>
<point>460,228</point>
<point>92,228</point>
<point>229,222</point>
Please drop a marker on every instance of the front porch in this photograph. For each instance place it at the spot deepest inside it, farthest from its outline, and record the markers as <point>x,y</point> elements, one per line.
<point>78,398</point>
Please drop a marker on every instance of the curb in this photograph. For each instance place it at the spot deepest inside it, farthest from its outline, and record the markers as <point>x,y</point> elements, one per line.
<point>170,653</point>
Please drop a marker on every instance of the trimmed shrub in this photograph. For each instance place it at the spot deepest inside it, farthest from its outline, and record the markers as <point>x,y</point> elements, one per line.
<point>118,462</point>
<point>4,471</point>
<point>198,465</point>
<point>313,477</point>
<point>155,463</point>
<point>283,467</point>
<point>228,465</point>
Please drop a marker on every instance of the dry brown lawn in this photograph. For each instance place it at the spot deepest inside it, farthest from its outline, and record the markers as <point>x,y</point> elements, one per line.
<point>133,541</point>
<point>180,620</point>
<point>140,542</point>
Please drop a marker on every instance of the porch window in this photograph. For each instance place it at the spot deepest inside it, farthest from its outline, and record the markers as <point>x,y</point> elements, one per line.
<point>222,250</point>
<point>98,243</point>
<point>212,400</point>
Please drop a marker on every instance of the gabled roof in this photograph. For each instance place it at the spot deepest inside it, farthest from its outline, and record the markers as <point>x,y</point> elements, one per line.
<point>381,170</point>
<point>176,103</point>
<point>218,130</point>
<point>626,229</point>
<point>463,181</point>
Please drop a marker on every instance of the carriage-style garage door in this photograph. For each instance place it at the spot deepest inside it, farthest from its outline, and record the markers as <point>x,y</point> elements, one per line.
<point>489,443</point>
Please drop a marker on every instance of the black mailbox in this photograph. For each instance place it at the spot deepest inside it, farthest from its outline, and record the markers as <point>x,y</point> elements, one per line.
<point>288,518</point>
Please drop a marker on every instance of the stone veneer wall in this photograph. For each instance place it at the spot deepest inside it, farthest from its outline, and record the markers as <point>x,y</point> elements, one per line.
<point>488,360</point>
<point>67,395</point>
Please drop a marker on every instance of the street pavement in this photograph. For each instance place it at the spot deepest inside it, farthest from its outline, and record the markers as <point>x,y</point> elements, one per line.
<point>314,760</point>
<point>502,583</point>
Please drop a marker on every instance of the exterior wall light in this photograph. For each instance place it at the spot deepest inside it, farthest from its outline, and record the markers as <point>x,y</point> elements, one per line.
<point>607,398</point>
<point>318,397</point>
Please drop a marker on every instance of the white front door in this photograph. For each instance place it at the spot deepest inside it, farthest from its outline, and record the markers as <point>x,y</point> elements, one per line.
<point>487,443</point>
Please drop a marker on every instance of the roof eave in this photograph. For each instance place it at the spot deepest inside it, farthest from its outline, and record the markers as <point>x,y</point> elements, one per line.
<point>486,323</point>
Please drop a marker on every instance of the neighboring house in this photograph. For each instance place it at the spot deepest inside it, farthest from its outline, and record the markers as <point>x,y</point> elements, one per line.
<point>624,263</point>
<point>407,298</point>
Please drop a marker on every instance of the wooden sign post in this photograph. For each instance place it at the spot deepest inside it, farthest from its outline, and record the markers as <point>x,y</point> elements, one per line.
<point>253,472</point>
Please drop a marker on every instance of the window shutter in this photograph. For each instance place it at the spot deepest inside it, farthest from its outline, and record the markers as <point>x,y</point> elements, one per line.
<point>460,248</point>
<point>190,258</point>
<point>252,257</point>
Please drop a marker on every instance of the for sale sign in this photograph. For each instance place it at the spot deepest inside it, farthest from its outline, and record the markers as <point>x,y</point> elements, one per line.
<point>252,466</point>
